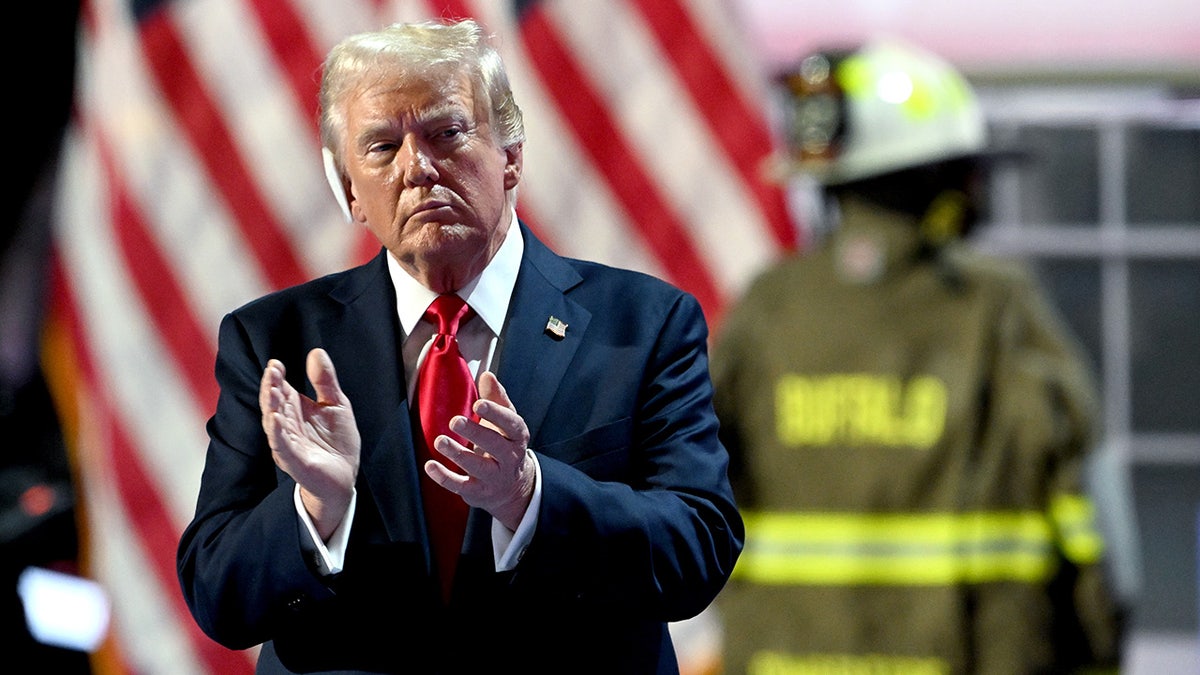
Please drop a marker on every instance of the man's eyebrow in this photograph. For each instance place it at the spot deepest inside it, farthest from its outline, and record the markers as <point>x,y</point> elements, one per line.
<point>373,131</point>
<point>442,111</point>
<point>439,112</point>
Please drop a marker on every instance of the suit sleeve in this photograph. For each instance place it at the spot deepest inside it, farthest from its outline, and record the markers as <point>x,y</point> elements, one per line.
<point>646,522</point>
<point>240,561</point>
<point>732,373</point>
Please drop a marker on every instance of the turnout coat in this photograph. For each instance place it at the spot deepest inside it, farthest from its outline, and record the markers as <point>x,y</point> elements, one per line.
<point>909,456</point>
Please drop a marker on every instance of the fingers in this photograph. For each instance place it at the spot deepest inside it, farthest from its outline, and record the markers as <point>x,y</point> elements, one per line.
<point>498,479</point>
<point>272,380</point>
<point>452,481</point>
<point>491,455</point>
<point>283,408</point>
<point>490,389</point>
<point>497,472</point>
<point>478,461</point>
<point>272,401</point>
<point>496,411</point>
<point>319,368</point>
<point>499,431</point>
<point>495,443</point>
<point>275,392</point>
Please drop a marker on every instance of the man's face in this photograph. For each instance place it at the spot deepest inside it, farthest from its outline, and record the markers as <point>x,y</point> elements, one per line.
<point>427,175</point>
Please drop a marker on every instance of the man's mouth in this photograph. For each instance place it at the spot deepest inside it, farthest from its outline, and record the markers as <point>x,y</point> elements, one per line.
<point>432,205</point>
<point>433,209</point>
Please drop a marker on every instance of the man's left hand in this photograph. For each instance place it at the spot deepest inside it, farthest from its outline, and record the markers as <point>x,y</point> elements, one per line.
<point>499,473</point>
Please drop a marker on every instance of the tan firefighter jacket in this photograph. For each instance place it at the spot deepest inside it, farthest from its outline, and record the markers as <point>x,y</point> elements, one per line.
<point>907,439</point>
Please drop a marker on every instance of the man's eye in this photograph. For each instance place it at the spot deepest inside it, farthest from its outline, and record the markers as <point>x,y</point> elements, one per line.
<point>376,148</point>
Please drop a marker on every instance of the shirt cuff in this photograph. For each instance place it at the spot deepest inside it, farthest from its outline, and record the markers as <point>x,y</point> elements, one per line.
<point>508,546</point>
<point>331,556</point>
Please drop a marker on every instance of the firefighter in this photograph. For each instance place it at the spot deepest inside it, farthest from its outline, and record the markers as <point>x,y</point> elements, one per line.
<point>908,420</point>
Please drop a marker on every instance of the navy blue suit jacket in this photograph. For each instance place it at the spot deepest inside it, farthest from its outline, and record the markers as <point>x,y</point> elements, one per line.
<point>637,525</point>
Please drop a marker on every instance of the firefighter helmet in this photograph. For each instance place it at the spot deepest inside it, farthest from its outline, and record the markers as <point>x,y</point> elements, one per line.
<point>879,108</point>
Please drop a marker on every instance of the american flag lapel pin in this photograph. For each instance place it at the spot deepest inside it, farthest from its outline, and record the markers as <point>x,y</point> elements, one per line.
<point>556,328</point>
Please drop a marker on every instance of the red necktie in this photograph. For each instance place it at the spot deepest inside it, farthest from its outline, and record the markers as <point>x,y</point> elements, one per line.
<point>445,388</point>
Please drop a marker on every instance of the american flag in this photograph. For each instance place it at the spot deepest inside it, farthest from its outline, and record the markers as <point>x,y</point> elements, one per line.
<point>192,182</point>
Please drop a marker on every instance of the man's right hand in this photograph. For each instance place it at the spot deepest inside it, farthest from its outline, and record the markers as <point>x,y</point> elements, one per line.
<point>315,442</point>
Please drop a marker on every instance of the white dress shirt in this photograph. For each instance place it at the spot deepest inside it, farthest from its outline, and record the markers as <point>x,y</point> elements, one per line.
<point>488,295</point>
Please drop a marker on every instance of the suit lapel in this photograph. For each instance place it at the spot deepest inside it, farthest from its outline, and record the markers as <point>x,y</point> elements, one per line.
<point>533,360</point>
<point>364,343</point>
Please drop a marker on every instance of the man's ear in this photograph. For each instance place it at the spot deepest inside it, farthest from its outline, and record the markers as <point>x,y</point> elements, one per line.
<point>512,170</point>
<point>339,186</point>
<point>357,215</point>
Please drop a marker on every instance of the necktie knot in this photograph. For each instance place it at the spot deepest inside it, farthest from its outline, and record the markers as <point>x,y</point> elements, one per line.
<point>447,311</point>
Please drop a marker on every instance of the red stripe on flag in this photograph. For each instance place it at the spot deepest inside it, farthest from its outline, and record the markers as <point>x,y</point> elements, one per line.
<point>164,300</point>
<point>201,121</point>
<point>451,10</point>
<point>293,49</point>
<point>159,539</point>
<point>600,138</point>
<point>138,494</point>
<point>738,128</point>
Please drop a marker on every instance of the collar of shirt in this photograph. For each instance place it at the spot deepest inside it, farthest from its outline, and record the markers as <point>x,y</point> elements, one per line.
<point>488,294</point>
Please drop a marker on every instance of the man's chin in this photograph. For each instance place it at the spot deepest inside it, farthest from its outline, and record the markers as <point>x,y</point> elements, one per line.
<point>449,238</point>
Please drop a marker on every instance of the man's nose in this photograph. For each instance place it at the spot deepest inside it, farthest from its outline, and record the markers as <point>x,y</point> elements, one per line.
<point>418,166</point>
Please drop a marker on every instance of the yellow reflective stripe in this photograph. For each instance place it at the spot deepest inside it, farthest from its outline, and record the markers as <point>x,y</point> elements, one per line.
<point>779,663</point>
<point>940,527</point>
<point>1075,518</point>
<point>897,549</point>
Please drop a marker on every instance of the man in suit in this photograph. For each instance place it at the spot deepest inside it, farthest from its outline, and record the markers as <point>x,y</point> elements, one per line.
<point>599,504</point>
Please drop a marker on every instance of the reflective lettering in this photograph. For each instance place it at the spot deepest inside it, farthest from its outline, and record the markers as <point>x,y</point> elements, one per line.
<point>860,409</point>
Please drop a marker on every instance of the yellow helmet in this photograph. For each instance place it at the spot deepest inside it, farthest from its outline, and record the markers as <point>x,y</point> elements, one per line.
<point>883,107</point>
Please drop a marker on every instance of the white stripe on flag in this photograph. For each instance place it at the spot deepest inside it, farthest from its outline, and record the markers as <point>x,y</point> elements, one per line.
<point>329,21</point>
<point>171,189</point>
<point>277,139</point>
<point>658,120</point>
<point>138,379</point>
<point>150,633</point>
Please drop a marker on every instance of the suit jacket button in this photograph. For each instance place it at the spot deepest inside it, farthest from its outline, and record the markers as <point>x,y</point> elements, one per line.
<point>297,602</point>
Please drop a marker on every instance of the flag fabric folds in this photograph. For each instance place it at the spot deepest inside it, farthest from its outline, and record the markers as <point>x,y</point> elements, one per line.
<point>192,182</point>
